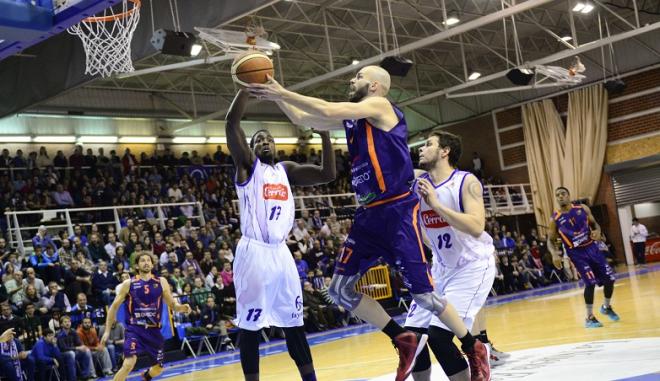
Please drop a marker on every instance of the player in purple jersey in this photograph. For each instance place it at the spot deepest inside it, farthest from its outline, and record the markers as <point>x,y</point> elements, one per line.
<point>579,231</point>
<point>143,295</point>
<point>387,223</point>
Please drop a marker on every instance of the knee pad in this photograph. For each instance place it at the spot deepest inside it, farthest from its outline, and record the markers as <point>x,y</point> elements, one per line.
<point>342,291</point>
<point>432,302</point>
<point>450,358</point>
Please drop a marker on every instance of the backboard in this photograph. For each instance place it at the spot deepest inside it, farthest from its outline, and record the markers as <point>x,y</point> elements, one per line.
<point>24,23</point>
<point>232,41</point>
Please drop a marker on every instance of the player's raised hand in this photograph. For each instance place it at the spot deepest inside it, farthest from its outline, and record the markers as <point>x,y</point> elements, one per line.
<point>271,90</point>
<point>7,335</point>
<point>426,190</point>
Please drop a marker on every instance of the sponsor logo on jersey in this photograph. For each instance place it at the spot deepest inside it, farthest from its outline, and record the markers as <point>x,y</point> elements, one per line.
<point>432,220</point>
<point>276,192</point>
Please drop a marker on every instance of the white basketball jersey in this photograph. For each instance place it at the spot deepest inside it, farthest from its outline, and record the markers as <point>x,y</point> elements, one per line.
<point>266,204</point>
<point>451,247</point>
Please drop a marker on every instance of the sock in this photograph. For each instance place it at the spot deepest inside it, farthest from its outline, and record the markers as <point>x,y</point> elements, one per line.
<point>309,377</point>
<point>590,309</point>
<point>467,342</point>
<point>606,303</point>
<point>483,337</point>
<point>392,329</point>
<point>146,375</point>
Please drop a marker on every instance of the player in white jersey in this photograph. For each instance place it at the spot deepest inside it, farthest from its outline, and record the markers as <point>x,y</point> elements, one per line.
<point>453,216</point>
<point>268,289</point>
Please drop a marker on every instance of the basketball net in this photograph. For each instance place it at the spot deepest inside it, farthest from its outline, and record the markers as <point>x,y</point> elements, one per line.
<point>252,31</point>
<point>107,39</point>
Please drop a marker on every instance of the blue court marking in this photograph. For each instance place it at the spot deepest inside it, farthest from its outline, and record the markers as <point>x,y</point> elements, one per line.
<point>279,346</point>
<point>644,377</point>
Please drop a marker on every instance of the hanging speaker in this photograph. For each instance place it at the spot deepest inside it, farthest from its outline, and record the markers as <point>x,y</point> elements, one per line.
<point>614,86</point>
<point>396,65</point>
<point>520,77</point>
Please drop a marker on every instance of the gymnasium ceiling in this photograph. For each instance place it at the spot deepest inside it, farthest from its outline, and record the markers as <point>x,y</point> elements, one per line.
<point>319,37</point>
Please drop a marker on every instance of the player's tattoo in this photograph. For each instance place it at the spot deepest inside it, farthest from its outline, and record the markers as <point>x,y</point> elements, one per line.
<point>474,189</point>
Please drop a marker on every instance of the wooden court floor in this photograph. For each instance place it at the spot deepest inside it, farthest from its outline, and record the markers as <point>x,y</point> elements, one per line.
<point>532,323</point>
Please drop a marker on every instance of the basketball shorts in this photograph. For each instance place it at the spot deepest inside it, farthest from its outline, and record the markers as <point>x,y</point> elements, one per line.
<point>390,231</point>
<point>465,287</point>
<point>268,290</point>
<point>141,340</point>
<point>591,265</point>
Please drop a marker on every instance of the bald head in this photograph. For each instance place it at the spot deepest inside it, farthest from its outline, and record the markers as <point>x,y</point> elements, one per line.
<point>369,81</point>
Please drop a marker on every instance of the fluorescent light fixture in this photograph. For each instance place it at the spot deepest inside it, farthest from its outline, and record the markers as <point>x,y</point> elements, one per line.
<point>189,140</point>
<point>452,20</point>
<point>15,139</point>
<point>286,140</point>
<point>566,38</point>
<point>579,6</point>
<point>269,52</point>
<point>217,140</point>
<point>97,139</point>
<point>355,62</point>
<point>474,75</point>
<point>54,139</point>
<point>587,8</point>
<point>138,139</point>
<point>195,50</point>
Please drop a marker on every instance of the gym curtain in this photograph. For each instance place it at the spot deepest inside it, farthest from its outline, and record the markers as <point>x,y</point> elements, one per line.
<point>571,157</point>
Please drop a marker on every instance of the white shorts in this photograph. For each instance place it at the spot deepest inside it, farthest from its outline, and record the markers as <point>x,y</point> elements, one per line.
<point>466,288</point>
<point>268,290</point>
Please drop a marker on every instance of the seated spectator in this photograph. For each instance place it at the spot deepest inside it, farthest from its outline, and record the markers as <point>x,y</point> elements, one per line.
<point>318,317</point>
<point>54,322</point>
<point>212,319</point>
<point>31,325</point>
<point>115,343</point>
<point>120,259</point>
<point>31,279</point>
<point>42,238</point>
<point>62,197</point>
<point>66,253</point>
<point>200,292</point>
<point>15,289</point>
<point>112,245</point>
<point>301,265</point>
<point>206,262</point>
<point>77,280</point>
<point>104,283</point>
<point>96,249</point>
<point>191,264</point>
<point>227,275</point>
<point>47,263</point>
<point>56,299</point>
<point>32,297</point>
<point>124,233</point>
<point>81,310</point>
<point>90,339</point>
<point>74,353</point>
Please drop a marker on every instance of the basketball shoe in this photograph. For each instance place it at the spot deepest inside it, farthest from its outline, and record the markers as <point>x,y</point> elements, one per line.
<point>592,322</point>
<point>409,345</point>
<point>609,312</point>
<point>498,354</point>
<point>478,359</point>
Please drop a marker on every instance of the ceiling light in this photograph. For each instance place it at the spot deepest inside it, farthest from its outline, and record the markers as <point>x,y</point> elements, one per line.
<point>217,140</point>
<point>474,75</point>
<point>138,139</point>
<point>451,20</point>
<point>189,140</point>
<point>355,62</point>
<point>566,38</point>
<point>15,139</point>
<point>195,50</point>
<point>97,139</point>
<point>578,6</point>
<point>587,8</point>
<point>286,140</point>
<point>54,139</point>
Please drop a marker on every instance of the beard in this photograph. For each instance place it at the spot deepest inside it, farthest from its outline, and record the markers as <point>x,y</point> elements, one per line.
<point>359,94</point>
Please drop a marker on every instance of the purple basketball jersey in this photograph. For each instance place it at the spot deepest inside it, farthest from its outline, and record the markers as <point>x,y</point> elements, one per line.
<point>573,227</point>
<point>381,167</point>
<point>144,302</point>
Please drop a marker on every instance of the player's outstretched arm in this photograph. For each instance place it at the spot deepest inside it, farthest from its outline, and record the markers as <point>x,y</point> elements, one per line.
<point>236,140</point>
<point>307,174</point>
<point>301,118</point>
<point>169,298</point>
<point>112,312</point>
<point>552,244</point>
<point>369,108</point>
<point>473,220</point>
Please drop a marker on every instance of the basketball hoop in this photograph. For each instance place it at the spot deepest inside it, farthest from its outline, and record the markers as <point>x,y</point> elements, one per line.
<point>107,39</point>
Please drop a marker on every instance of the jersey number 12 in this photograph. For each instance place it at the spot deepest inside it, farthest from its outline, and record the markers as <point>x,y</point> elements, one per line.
<point>446,238</point>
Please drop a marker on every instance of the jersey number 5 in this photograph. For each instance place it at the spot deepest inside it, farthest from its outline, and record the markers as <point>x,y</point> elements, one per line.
<point>275,212</point>
<point>446,238</point>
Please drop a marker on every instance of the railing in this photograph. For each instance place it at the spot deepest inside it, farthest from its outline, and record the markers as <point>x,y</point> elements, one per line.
<point>14,229</point>
<point>66,170</point>
<point>321,202</point>
<point>507,200</point>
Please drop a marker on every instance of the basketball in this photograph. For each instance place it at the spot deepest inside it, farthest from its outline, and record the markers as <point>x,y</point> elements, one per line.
<point>251,67</point>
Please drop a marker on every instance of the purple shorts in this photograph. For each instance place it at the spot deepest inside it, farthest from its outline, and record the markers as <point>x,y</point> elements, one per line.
<point>140,340</point>
<point>591,265</point>
<point>391,231</point>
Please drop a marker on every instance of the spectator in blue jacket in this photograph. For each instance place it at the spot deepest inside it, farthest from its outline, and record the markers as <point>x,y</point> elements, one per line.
<point>73,351</point>
<point>47,263</point>
<point>42,238</point>
<point>46,354</point>
<point>14,361</point>
<point>104,283</point>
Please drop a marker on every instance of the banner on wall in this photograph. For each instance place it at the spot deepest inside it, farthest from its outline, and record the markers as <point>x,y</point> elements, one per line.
<point>653,250</point>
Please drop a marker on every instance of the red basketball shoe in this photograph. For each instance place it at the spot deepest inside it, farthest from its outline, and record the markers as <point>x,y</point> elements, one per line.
<point>409,345</point>
<point>478,359</point>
